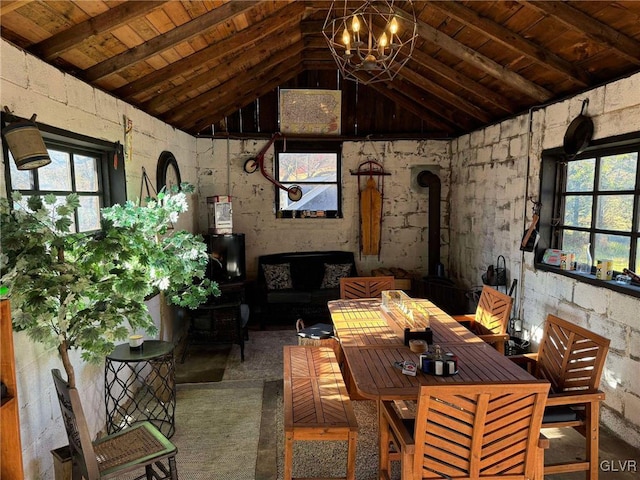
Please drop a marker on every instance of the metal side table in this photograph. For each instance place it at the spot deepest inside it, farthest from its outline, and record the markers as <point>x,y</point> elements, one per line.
<point>140,385</point>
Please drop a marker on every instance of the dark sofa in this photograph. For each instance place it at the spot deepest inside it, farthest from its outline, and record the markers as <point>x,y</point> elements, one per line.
<point>302,289</point>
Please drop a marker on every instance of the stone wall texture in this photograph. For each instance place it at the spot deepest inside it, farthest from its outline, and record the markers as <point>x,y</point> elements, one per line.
<point>486,179</point>
<point>494,171</point>
<point>28,86</point>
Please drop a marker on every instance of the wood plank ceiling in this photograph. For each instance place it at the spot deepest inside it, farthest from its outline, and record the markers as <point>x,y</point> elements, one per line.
<point>214,67</point>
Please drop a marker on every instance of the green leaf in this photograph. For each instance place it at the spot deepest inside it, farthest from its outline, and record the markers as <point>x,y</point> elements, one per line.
<point>89,290</point>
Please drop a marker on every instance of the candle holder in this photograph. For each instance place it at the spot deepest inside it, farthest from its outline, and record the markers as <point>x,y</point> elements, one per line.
<point>136,342</point>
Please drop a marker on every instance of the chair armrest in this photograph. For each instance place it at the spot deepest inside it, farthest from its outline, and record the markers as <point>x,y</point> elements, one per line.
<point>574,398</point>
<point>494,337</point>
<point>404,436</point>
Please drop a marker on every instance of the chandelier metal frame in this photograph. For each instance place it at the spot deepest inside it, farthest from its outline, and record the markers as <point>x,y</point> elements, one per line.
<point>360,54</point>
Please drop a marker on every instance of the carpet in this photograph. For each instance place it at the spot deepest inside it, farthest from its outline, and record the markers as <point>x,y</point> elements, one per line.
<point>262,356</point>
<point>233,429</point>
<point>263,361</point>
<point>218,430</point>
<point>202,363</point>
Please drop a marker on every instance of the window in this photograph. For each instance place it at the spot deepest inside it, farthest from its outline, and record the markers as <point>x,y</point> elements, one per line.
<point>315,168</point>
<point>594,199</point>
<point>80,165</point>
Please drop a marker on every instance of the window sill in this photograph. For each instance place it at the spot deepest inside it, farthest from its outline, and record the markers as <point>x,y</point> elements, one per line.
<point>632,290</point>
<point>305,214</point>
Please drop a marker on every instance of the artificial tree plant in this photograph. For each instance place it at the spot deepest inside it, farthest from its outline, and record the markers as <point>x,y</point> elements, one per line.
<point>87,290</point>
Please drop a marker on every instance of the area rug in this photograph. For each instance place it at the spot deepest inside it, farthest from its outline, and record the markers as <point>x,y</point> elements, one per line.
<point>325,459</point>
<point>218,430</point>
<point>262,356</point>
<point>233,429</point>
<point>263,361</point>
<point>202,363</point>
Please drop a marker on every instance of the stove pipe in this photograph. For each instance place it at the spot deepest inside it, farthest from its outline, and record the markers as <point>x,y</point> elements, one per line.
<point>431,181</point>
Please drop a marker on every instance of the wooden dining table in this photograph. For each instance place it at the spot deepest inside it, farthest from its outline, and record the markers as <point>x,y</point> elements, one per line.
<point>372,342</point>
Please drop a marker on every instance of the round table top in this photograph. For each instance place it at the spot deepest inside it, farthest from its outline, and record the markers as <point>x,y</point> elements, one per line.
<point>150,349</point>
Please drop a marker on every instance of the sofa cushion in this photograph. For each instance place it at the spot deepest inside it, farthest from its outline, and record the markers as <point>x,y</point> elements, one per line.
<point>278,276</point>
<point>333,272</point>
<point>307,268</point>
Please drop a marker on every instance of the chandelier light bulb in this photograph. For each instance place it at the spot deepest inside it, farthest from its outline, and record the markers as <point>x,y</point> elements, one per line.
<point>355,24</point>
<point>393,26</point>
<point>383,41</point>
<point>346,38</point>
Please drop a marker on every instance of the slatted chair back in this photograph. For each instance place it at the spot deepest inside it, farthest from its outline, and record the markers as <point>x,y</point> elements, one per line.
<point>365,287</point>
<point>479,431</point>
<point>80,445</point>
<point>570,357</point>
<point>494,310</point>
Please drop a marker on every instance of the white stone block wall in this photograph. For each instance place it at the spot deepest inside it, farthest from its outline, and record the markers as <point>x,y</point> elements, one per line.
<point>488,190</point>
<point>29,86</point>
<point>405,204</point>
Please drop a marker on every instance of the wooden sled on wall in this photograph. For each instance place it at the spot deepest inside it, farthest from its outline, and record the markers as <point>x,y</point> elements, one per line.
<point>370,202</point>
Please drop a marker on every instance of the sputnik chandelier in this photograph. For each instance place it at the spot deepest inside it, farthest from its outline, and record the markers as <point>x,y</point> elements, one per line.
<point>373,42</point>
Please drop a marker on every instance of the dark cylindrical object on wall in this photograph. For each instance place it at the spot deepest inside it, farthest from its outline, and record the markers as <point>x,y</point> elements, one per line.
<point>431,181</point>
<point>26,145</point>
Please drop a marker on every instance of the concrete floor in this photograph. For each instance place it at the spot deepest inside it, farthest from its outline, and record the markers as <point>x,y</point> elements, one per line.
<point>618,460</point>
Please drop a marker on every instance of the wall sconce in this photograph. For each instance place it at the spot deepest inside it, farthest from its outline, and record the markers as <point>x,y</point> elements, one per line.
<point>26,144</point>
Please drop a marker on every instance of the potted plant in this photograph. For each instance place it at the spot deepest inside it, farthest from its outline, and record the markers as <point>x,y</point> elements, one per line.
<point>87,290</point>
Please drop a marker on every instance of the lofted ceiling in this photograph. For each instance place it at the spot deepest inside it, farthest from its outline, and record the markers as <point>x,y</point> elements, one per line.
<point>214,67</point>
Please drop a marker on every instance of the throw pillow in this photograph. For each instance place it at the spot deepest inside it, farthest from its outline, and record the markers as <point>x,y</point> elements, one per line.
<point>333,273</point>
<point>278,276</point>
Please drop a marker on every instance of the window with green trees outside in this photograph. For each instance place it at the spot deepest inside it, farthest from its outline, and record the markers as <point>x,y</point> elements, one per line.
<point>597,203</point>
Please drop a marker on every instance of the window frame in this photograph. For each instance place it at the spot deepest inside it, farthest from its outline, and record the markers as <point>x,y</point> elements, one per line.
<point>110,165</point>
<point>553,192</point>
<point>308,146</point>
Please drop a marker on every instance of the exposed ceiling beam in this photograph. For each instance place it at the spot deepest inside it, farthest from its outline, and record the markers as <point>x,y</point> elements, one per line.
<point>444,95</point>
<point>167,40</point>
<point>462,81</point>
<point>429,104</point>
<point>111,19</point>
<point>512,41</point>
<point>321,59</point>
<point>269,80</point>
<point>229,66</point>
<point>288,15</point>
<point>597,31</point>
<point>246,81</point>
<point>479,61</point>
<point>413,107</point>
<point>7,6</point>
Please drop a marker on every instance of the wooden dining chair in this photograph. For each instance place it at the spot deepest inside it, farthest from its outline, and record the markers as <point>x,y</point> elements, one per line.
<point>365,287</point>
<point>467,431</point>
<point>571,358</point>
<point>140,447</point>
<point>491,319</point>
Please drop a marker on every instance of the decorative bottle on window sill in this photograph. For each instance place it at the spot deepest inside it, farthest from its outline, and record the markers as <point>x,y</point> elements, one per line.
<point>586,260</point>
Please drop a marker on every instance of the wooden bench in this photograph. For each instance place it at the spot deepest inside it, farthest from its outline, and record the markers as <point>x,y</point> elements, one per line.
<point>316,403</point>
